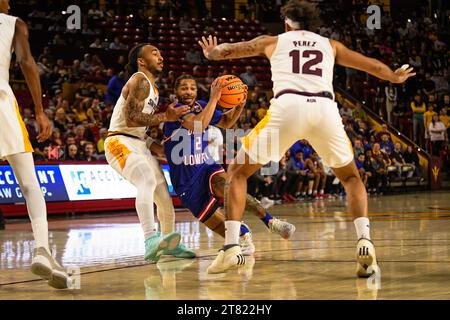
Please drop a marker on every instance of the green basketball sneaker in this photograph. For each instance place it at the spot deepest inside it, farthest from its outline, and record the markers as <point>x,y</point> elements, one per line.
<point>181,251</point>
<point>155,245</point>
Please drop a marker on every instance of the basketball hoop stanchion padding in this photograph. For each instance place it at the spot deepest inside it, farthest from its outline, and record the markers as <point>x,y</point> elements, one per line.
<point>2,221</point>
<point>435,168</point>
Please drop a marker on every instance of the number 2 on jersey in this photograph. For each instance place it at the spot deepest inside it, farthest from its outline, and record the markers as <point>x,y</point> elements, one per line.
<point>308,65</point>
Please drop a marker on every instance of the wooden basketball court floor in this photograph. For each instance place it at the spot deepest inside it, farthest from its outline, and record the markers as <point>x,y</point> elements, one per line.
<point>411,233</point>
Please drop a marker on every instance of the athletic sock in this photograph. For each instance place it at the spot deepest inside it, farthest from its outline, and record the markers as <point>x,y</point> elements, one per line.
<point>244,230</point>
<point>362,226</point>
<point>232,229</point>
<point>266,219</point>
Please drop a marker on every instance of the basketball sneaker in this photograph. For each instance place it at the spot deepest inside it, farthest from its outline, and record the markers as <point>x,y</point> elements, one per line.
<point>366,260</point>
<point>226,260</point>
<point>180,251</point>
<point>46,267</point>
<point>155,245</point>
<point>283,228</point>
<point>266,203</point>
<point>247,246</point>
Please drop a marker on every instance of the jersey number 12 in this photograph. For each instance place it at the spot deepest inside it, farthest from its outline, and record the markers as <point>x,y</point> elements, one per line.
<point>307,67</point>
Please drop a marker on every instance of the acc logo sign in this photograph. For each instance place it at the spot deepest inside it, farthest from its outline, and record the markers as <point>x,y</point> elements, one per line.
<point>79,178</point>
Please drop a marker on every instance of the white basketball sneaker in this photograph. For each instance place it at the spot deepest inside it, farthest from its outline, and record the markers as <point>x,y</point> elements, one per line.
<point>248,248</point>
<point>46,267</point>
<point>226,260</point>
<point>283,228</point>
<point>366,259</point>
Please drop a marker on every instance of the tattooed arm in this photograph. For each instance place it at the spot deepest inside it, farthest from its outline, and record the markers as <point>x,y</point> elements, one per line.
<point>138,90</point>
<point>260,46</point>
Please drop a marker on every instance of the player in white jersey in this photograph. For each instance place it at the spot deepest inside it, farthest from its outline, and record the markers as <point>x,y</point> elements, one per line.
<point>15,145</point>
<point>127,151</point>
<point>303,108</point>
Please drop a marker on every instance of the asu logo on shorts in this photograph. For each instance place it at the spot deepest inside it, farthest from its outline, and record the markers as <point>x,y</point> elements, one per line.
<point>119,151</point>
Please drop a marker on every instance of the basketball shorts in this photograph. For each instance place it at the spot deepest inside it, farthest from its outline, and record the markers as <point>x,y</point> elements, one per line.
<point>294,117</point>
<point>199,197</point>
<point>125,153</point>
<point>14,137</point>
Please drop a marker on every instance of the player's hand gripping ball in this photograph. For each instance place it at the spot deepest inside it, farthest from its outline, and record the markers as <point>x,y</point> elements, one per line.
<point>233,92</point>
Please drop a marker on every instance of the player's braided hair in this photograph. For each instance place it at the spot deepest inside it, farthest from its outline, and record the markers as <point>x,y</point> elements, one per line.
<point>133,56</point>
<point>303,12</point>
<point>181,78</point>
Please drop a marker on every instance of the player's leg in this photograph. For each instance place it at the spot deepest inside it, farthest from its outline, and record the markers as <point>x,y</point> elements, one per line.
<point>43,264</point>
<point>235,196</point>
<point>139,172</point>
<point>166,216</point>
<point>336,151</point>
<point>253,206</point>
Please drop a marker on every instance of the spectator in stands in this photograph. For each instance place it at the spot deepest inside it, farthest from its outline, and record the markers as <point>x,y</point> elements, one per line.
<point>85,30</point>
<point>56,139</point>
<point>115,85</point>
<point>391,100</point>
<point>428,87</point>
<point>194,56</point>
<point>97,44</point>
<point>384,131</point>
<point>72,153</point>
<point>427,119</point>
<point>438,135</point>
<point>399,162</point>
<point>101,141</point>
<point>117,45</point>
<point>418,108</point>
<point>358,112</point>
<point>358,147</point>
<point>94,12</point>
<point>386,144</point>
<point>86,65</point>
<point>346,111</point>
<point>89,153</point>
<point>185,24</point>
<point>249,78</point>
<point>445,119</point>
<point>359,161</point>
<point>412,158</point>
<point>46,53</point>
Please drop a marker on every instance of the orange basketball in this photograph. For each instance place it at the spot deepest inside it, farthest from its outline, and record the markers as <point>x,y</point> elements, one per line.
<point>233,92</point>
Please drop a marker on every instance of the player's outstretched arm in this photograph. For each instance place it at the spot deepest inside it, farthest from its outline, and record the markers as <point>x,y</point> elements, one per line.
<point>202,120</point>
<point>138,91</point>
<point>230,117</point>
<point>30,71</point>
<point>259,46</point>
<point>352,59</point>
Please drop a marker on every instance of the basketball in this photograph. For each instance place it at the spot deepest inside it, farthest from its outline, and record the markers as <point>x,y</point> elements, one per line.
<point>233,92</point>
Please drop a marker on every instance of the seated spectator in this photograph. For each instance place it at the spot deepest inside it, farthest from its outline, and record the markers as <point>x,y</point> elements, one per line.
<point>249,78</point>
<point>97,44</point>
<point>358,147</point>
<point>412,158</point>
<point>359,161</point>
<point>384,131</point>
<point>185,24</point>
<point>89,153</point>
<point>194,56</point>
<point>346,111</point>
<point>399,162</point>
<point>386,144</point>
<point>358,112</point>
<point>101,141</point>
<point>72,153</point>
<point>117,45</point>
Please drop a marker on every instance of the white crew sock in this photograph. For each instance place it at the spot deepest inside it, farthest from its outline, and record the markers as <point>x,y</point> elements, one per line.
<point>362,226</point>
<point>232,230</point>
